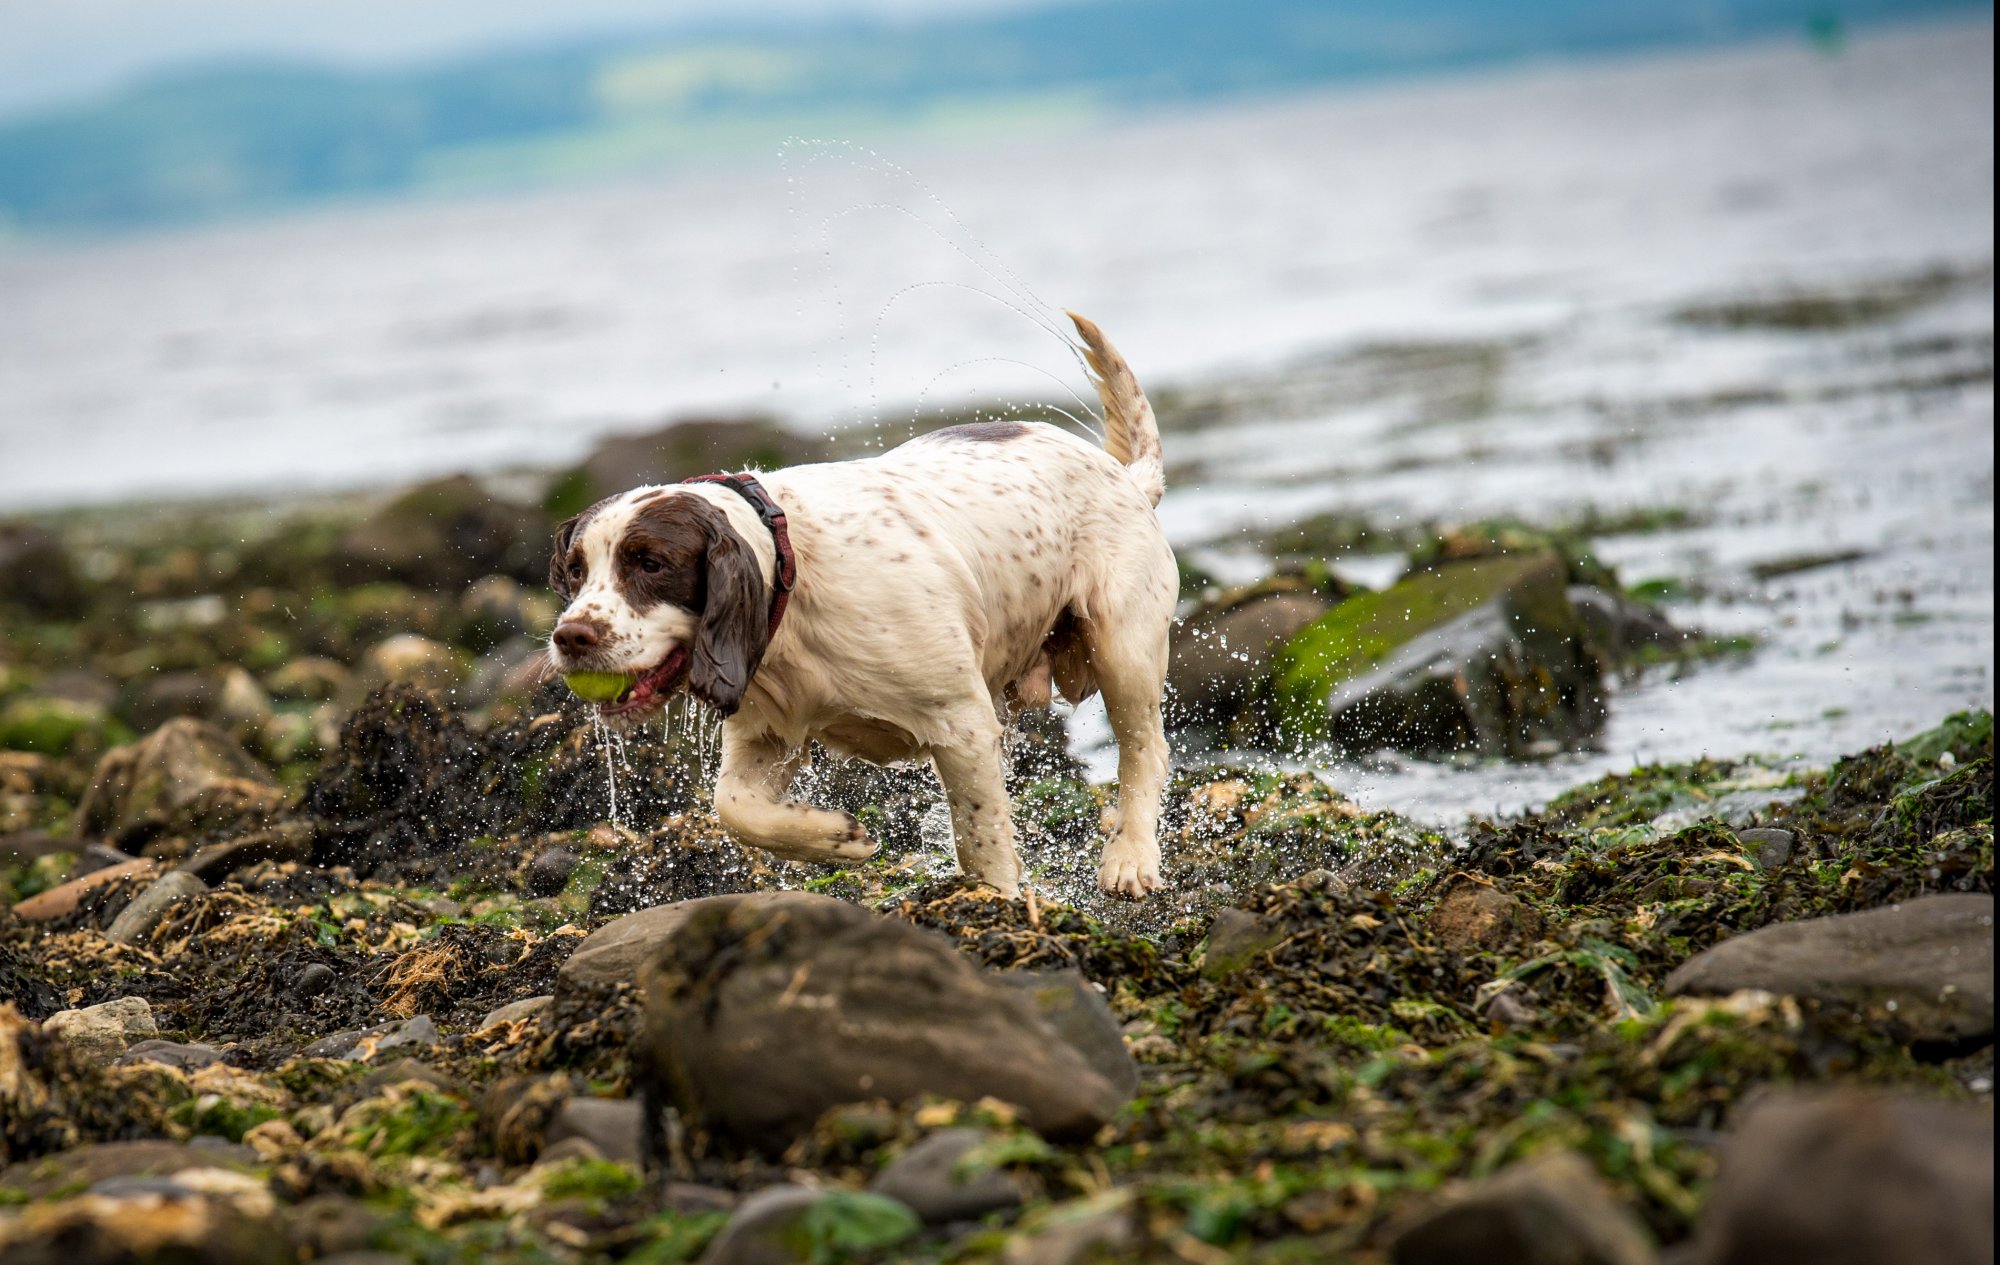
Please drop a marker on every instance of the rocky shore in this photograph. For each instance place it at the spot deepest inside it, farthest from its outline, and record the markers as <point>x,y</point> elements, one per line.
<point>333,933</point>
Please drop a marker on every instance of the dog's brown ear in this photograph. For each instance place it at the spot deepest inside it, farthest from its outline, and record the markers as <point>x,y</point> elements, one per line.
<point>735,623</point>
<point>559,560</point>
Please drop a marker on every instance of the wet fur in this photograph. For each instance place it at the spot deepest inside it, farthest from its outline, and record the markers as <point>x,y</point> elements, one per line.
<point>967,570</point>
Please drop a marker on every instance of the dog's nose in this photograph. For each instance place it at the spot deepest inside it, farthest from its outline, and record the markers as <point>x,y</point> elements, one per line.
<point>575,637</point>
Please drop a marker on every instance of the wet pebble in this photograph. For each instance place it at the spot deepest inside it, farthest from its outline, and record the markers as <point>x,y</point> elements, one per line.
<point>549,872</point>
<point>940,1181</point>
<point>313,980</point>
<point>150,908</point>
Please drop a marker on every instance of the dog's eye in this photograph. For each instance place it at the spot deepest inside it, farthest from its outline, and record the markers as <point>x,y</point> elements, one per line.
<point>650,565</point>
<point>576,569</point>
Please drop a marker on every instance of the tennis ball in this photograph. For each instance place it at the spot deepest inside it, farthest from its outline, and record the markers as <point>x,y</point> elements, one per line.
<point>598,687</point>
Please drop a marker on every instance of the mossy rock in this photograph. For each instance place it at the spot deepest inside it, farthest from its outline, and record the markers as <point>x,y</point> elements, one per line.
<point>58,727</point>
<point>1486,656</point>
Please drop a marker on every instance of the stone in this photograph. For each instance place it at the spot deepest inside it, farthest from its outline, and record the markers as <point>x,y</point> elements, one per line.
<point>1481,657</point>
<point>85,1166</point>
<point>1471,916</point>
<point>330,1227</point>
<point>312,980</point>
<point>208,1217</point>
<point>1768,846</point>
<point>285,841</point>
<point>615,1126</point>
<point>362,1045</point>
<point>613,953</point>
<point>549,872</point>
<point>63,727</point>
<point>1068,1003</point>
<point>757,1231</point>
<point>1552,1209</point>
<point>186,775</point>
<point>150,908</point>
<point>516,1011</point>
<point>311,679</point>
<point>1622,628</point>
<point>102,1032</point>
<point>1926,965</point>
<point>941,1180</point>
<point>35,572</point>
<point>1084,1230</point>
<point>62,900</point>
<point>164,695</point>
<point>775,1227</point>
<point>676,451</point>
<point>170,1053</point>
<point>759,1015</point>
<point>1222,651</point>
<point>1851,1177</point>
<point>1237,938</point>
<point>410,659</point>
<point>445,534</point>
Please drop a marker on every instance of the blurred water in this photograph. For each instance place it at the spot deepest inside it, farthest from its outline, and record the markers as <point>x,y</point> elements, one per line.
<point>1546,223</point>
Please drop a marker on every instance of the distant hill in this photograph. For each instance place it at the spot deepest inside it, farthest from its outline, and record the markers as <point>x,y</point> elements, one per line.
<point>234,139</point>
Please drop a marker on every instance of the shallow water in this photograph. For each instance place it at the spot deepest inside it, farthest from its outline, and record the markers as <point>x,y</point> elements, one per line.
<point>1533,234</point>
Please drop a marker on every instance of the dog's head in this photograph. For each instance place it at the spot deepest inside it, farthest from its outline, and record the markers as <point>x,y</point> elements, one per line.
<point>657,585</point>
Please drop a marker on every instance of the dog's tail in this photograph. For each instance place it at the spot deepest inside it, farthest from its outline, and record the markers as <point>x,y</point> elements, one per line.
<point>1130,434</point>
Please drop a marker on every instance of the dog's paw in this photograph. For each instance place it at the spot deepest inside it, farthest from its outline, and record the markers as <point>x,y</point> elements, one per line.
<point>1128,876</point>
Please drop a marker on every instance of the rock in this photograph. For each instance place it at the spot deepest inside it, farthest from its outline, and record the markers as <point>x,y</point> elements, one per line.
<point>286,841</point>
<point>1926,965</point>
<point>102,1032</point>
<point>676,451</point>
<point>362,1045</point>
<point>791,1225</point>
<point>186,775</point>
<point>221,1219</point>
<point>549,872</point>
<point>313,980</point>
<point>1236,938</point>
<point>35,572</point>
<point>1078,1013</point>
<point>61,901</point>
<point>409,659</point>
<point>570,1148</point>
<point>1552,1209</point>
<point>613,953</point>
<point>515,1011</point>
<point>1621,628</point>
<point>1485,656</point>
<point>1098,1228</point>
<point>333,1227</point>
<point>165,695</point>
<point>615,1126</point>
<point>55,726</point>
<point>759,1015</point>
<point>84,1166</point>
<point>444,535</point>
<point>311,679</point>
<point>497,609</point>
<point>1223,650</point>
<point>171,1053</point>
<point>941,1180</point>
<point>1768,846</point>
<point>1852,1177</point>
<point>1470,916</point>
<point>149,908</point>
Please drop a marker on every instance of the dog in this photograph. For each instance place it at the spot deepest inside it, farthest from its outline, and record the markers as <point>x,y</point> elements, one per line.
<point>894,608</point>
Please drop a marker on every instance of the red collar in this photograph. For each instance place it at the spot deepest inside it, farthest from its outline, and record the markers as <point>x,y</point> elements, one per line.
<point>747,487</point>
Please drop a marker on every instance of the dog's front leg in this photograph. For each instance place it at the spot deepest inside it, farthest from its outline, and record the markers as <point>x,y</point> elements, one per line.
<point>751,799</point>
<point>982,819</point>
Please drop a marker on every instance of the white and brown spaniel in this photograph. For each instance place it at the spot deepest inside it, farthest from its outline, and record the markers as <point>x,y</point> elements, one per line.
<point>892,608</point>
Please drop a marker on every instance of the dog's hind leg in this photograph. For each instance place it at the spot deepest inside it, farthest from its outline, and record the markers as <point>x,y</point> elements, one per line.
<point>975,784</point>
<point>751,801</point>
<point>1127,649</point>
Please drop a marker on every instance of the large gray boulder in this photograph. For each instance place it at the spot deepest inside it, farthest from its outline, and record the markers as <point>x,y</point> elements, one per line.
<point>1484,657</point>
<point>614,952</point>
<point>759,1016</point>
<point>1221,651</point>
<point>187,775</point>
<point>1853,1177</point>
<point>1926,965</point>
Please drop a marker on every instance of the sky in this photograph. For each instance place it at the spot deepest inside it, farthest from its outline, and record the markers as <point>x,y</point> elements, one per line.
<point>56,51</point>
